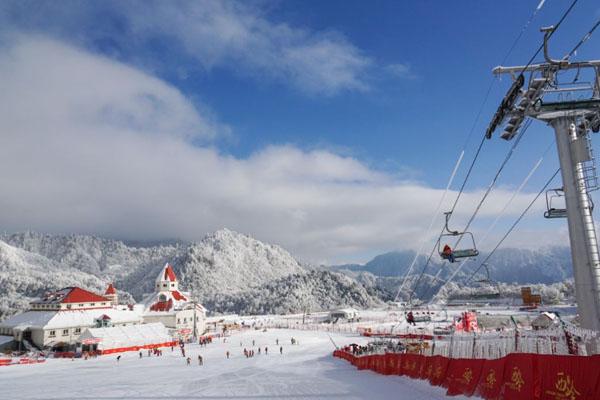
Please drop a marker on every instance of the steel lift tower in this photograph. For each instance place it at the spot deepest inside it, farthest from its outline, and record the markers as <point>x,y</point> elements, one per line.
<point>572,113</point>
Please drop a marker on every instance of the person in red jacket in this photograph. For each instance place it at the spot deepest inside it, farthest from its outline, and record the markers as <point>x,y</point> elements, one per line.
<point>448,254</point>
<point>410,318</point>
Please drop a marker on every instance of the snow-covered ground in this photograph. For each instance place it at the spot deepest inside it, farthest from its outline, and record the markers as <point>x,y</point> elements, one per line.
<point>303,371</point>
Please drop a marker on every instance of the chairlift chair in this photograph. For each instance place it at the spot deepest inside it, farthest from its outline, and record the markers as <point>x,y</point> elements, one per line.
<point>457,253</point>
<point>552,197</point>
<point>489,281</point>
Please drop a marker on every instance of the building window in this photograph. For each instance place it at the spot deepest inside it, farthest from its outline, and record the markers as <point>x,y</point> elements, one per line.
<point>178,320</point>
<point>172,285</point>
<point>65,332</point>
<point>81,305</point>
<point>69,306</point>
<point>164,285</point>
<point>92,304</point>
<point>52,333</point>
<point>184,320</point>
<point>77,330</point>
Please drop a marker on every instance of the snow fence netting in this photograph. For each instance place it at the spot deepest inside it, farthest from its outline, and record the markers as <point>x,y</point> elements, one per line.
<point>515,376</point>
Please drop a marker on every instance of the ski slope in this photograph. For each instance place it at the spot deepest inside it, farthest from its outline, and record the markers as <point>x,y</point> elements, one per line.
<point>304,371</point>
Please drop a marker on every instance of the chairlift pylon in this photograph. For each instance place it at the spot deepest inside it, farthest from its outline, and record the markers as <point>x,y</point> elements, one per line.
<point>456,253</point>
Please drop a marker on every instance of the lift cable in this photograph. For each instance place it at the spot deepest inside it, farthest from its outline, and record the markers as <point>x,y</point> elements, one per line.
<point>493,183</point>
<point>540,48</point>
<point>515,224</point>
<point>584,39</point>
<point>556,26</point>
<point>484,137</point>
<point>497,219</point>
<point>508,156</point>
<point>433,220</point>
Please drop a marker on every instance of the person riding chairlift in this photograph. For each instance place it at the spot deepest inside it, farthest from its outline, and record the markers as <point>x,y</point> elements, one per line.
<point>448,254</point>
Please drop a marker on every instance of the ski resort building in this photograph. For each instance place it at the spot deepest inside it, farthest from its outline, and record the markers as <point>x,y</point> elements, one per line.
<point>126,338</point>
<point>175,309</point>
<point>57,319</point>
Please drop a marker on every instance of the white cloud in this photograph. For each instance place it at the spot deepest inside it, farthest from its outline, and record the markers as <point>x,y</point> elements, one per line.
<point>238,36</point>
<point>91,145</point>
<point>401,71</point>
<point>233,35</point>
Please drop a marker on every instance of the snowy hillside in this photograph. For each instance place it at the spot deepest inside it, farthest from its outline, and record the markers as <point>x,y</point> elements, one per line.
<point>227,262</point>
<point>232,272</point>
<point>25,275</point>
<point>106,258</point>
<point>222,263</point>
<point>310,291</point>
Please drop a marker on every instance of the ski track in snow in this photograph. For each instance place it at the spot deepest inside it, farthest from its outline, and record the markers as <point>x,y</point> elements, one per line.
<point>304,371</point>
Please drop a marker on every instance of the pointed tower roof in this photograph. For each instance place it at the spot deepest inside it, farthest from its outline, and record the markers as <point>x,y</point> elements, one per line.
<point>110,289</point>
<point>167,274</point>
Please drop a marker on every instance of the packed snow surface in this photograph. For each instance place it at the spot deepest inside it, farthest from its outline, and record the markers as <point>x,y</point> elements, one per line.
<point>304,371</point>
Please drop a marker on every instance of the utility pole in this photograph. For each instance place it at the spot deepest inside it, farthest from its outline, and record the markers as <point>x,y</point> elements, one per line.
<point>544,99</point>
<point>195,332</point>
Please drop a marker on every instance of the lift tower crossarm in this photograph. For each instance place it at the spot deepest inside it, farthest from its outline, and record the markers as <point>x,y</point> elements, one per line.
<point>544,66</point>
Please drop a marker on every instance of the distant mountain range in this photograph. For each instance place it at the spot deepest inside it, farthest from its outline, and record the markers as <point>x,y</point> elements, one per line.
<point>521,266</point>
<point>232,272</point>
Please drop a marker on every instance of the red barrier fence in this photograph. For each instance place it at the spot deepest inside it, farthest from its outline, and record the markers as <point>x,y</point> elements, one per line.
<point>138,348</point>
<point>515,376</point>
<point>4,362</point>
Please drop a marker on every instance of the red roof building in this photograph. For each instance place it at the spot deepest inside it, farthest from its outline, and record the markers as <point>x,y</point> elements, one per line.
<point>70,298</point>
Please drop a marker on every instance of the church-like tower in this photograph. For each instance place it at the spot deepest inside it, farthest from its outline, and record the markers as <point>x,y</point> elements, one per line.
<point>111,294</point>
<point>167,280</point>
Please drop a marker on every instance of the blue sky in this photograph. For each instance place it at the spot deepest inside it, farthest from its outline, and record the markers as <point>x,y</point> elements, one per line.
<point>379,97</point>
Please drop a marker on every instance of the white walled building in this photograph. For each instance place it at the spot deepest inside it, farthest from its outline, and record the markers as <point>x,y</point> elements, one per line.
<point>59,318</point>
<point>175,309</point>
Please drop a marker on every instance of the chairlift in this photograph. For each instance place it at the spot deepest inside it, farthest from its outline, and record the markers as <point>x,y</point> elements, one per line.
<point>456,253</point>
<point>489,281</point>
<point>553,196</point>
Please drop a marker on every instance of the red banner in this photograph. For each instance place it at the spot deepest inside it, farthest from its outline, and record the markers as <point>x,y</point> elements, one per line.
<point>568,377</point>
<point>438,371</point>
<point>462,376</point>
<point>491,379</point>
<point>520,380</point>
<point>516,376</point>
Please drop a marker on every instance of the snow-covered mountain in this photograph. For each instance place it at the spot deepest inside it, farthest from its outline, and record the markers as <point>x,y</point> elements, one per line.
<point>222,264</point>
<point>227,262</point>
<point>512,266</point>
<point>232,272</point>
<point>106,258</point>
<point>308,291</point>
<point>25,275</point>
<point>547,265</point>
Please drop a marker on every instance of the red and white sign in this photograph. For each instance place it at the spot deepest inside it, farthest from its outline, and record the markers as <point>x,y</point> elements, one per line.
<point>91,341</point>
